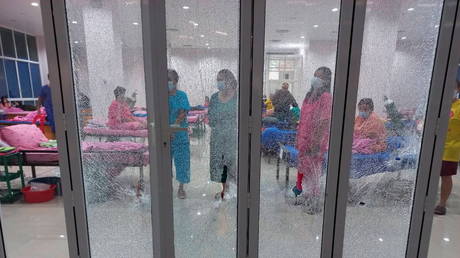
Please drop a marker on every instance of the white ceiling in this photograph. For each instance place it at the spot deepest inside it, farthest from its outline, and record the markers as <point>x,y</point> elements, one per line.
<point>22,16</point>
<point>287,21</point>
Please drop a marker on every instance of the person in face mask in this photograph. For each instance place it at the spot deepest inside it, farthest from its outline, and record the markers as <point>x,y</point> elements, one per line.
<point>223,114</point>
<point>451,155</point>
<point>313,136</point>
<point>180,143</point>
<point>369,132</point>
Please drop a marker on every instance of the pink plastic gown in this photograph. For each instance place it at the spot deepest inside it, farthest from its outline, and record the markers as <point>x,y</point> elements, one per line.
<point>121,117</point>
<point>310,164</point>
<point>369,135</point>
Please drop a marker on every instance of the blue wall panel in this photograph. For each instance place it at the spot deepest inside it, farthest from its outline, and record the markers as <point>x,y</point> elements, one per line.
<point>24,78</point>
<point>12,79</point>
<point>36,79</point>
<point>3,87</point>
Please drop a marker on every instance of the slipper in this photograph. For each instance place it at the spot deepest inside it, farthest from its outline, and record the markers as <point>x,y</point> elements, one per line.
<point>439,210</point>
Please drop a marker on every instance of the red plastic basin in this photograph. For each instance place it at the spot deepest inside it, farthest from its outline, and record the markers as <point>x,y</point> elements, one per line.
<point>38,196</point>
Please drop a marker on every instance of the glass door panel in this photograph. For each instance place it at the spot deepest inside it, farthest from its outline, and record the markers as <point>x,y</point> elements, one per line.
<point>300,60</point>
<point>396,65</point>
<point>108,72</point>
<point>203,55</point>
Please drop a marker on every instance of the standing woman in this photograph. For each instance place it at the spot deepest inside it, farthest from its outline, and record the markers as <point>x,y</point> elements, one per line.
<point>223,122</point>
<point>180,143</point>
<point>313,135</point>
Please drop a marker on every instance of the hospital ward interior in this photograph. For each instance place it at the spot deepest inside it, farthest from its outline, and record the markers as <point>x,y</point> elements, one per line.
<point>289,160</point>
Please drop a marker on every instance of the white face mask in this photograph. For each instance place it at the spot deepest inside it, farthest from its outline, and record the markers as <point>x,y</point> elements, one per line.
<point>317,82</point>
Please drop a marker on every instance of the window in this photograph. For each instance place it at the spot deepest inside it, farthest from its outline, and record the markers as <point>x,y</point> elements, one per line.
<point>19,68</point>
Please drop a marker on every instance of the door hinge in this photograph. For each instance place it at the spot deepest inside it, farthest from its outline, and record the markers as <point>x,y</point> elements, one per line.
<point>438,126</point>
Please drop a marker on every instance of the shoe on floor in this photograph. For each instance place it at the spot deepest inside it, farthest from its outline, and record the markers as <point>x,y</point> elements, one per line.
<point>439,210</point>
<point>181,194</point>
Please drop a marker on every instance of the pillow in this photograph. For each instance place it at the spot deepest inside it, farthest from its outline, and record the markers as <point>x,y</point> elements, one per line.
<point>23,137</point>
<point>3,144</point>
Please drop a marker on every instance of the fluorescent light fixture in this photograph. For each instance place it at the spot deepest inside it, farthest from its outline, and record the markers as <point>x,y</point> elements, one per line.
<point>135,23</point>
<point>222,33</point>
<point>335,9</point>
<point>381,239</point>
<point>403,38</point>
<point>185,7</point>
<point>201,36</point>
<point>34,4</point>
<point>61,236</point>
<point>207,44</point>
<point>302,37</point>
<point>76,42</point>
<point>74,22</point>
<point>446,239</point>
<point>315,26</point>
<point>411,9</point>
<point>193,23</point>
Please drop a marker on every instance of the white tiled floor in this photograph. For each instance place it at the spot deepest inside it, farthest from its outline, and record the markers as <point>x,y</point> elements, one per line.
<point>205,227</point>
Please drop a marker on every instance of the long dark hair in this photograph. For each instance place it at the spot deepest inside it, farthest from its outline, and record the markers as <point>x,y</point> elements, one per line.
<point>4,100</point>
<point>327,77</point>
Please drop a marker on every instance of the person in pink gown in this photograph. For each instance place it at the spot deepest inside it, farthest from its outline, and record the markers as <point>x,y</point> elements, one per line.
<point>313,133</point>
<point>369,133</point>
<point>120,115</point>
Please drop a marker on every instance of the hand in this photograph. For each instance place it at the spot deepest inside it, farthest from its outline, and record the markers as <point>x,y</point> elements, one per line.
<point>314,149</point>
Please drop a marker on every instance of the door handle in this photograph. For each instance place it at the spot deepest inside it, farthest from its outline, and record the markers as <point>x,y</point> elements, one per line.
<point>176,128</point>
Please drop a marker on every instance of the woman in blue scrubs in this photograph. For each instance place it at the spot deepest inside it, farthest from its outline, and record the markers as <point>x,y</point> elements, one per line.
<point>180,144</point>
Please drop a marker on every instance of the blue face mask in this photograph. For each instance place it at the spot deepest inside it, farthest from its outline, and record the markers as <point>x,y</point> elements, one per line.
<point>220,85</point>
<point>171,85</point>
<point>364,115</point>
<point>317,82</point>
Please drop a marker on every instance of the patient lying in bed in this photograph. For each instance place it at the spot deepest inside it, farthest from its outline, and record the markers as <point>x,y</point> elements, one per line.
<point>369,134</point>
<point>120,115</point>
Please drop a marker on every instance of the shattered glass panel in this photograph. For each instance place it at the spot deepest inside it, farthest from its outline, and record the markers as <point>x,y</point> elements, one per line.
<point>108,72</point>
<point>203,55</point>
<point>396,65</point>
<point>300,48</point>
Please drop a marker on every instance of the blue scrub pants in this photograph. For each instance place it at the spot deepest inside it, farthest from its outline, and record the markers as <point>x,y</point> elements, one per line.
<point>180,153</point>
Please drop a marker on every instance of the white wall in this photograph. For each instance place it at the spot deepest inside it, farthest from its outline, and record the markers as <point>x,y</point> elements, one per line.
<point>198,68</point>
<point>42,59</point>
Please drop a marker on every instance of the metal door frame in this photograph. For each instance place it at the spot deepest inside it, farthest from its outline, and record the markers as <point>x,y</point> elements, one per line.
<point>251,65</point>
<point>429,194</point>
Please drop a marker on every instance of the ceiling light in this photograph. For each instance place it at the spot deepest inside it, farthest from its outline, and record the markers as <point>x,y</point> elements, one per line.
<point>135,23</point>
<point>317,237</point>
<point>221,33</point>
<point>207,44</point>
<point>403,38</point>
<point>198,213</point>
<point>201,36</point>
<point>76,42</point>
<point>315,26</point>
<point>436,26</point>
<point>302,37</point>
<point>74,22</point>
<point>185,7</point>
<point>61,236</point>
<point>34,4</point>
<point>446,239</point>
<point>193,23</point>
<point>381,239</point>
<point>411,9</point>
<point>335,9</point>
